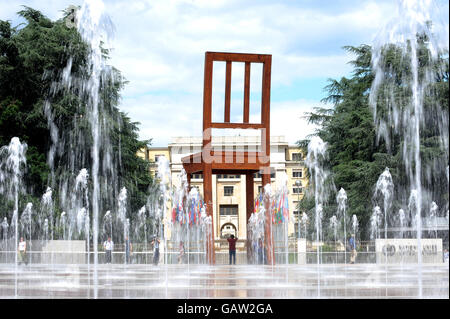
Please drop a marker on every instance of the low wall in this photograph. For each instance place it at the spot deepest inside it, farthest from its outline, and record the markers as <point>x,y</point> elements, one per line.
<point>301,251</point>
<point>64,252</point>
<point>398,250</point>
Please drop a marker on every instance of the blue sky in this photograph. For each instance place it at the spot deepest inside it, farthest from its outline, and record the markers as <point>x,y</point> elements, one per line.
<point>159,47</point>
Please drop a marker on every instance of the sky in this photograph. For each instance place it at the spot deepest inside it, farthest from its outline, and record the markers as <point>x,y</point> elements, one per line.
<point>159,47</point>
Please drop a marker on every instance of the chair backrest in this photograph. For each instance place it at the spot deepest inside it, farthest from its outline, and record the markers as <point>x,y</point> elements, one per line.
<point>229,58</point>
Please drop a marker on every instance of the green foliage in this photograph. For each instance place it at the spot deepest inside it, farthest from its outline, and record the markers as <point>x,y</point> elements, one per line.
<point>355,158</point>
<point>31,59</point>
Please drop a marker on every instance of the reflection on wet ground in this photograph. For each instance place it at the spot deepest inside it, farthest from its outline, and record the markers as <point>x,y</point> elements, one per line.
<point>239,281</point>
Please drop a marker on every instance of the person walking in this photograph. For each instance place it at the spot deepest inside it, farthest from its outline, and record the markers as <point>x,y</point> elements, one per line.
<point>108,246</point>
<point>155,243</point>
<point>232,248</point>
<point>128,250</point>
<point>22,252</point>
<point>352,243</point>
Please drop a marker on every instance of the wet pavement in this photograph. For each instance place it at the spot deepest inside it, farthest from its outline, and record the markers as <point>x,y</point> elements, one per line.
<point>238,281</point>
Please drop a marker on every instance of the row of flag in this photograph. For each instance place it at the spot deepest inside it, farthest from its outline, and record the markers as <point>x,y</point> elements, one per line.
<point>279,210</point>
<point>193,214</point>
<point>279,207</point>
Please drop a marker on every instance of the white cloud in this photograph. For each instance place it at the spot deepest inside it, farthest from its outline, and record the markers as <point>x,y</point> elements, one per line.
<point>288,119</point>
<point>159,46</point>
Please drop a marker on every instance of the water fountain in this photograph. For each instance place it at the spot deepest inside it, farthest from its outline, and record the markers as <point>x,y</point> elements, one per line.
<point>165,179</point>
<point>256,231</point>
<point>26,221</point>
<point>88,137</point>
<point>121,217</point>
<point>47,211</point>
<point>433,216</point>
<point>88,194</point>
<point>280,219</point>
<point>62,224</point>
<point>401,218</point>
<point>333,226</point>
<point>375,222</point>
<point>4,228</point>
<point>304,221</point>
<point>314,161</point>
<point>141,226</point>
<point>419,41</point>
<point>385,189</point>
<point>341,199</point>
<point>107,221</point>
<point>355,225</point>
<point>12,163</point>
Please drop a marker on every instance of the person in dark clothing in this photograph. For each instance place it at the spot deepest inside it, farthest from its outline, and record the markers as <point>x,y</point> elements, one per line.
<point>232,248</point>
<point>155,244</point>
<point>352,244</point>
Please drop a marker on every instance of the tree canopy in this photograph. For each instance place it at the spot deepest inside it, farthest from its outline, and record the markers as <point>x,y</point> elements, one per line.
<point>31,58</point>
<point>356,156</point>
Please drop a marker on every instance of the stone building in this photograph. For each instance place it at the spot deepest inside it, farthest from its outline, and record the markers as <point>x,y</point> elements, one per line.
<point>229,197</point>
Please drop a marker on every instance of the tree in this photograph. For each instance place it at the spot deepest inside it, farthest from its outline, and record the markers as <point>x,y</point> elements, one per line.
<point>356,156</point>
<point>31,61</point>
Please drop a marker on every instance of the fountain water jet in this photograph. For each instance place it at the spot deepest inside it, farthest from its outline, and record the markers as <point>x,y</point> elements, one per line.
<point>400,110</point>
<point>12,163</point>
<point>341,199</point>
<point>315,161</point>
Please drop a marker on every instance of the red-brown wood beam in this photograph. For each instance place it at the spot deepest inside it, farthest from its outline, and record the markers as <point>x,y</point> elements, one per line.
<point>247,93</point>
<point>188,177</point>
<point>239,57</point>
<point>227,92</point>
<point>207,99</point>
<point>207,195</point>
<point>265,105</point>
<point>237,125</point>
<point>249,189</point>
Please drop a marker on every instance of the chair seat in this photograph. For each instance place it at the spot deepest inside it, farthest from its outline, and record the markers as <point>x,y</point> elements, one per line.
<point>229,161</point>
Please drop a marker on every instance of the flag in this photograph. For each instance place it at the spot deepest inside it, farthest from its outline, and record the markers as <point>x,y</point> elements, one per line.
<point>286,207</point>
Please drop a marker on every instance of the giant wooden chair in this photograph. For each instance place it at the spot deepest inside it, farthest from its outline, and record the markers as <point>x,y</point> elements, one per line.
<point>246,163</point>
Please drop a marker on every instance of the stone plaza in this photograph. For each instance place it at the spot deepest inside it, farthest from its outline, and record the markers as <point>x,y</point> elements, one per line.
<point>134,281</point>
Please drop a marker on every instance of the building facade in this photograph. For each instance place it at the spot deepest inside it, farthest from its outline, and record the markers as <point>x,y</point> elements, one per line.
<point>229,195</point>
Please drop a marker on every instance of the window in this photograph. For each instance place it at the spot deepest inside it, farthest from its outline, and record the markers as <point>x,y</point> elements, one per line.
<point>297,173</point>
<point>197,176</point>
<point>297,157</point>
<point>259,189</point>
<point>297,190</point>
<point>259,175</point>
<point>228,176</point>
<point>225,210</point>
<point>228,190</point>
<point>158,156</point>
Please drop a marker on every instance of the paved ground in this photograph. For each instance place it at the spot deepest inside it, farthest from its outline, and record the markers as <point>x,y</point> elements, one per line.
<point>240,281</point>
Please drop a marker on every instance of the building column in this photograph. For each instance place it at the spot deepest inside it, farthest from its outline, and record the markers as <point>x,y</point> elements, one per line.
<point>249,188</point>
<point>249,199</point>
